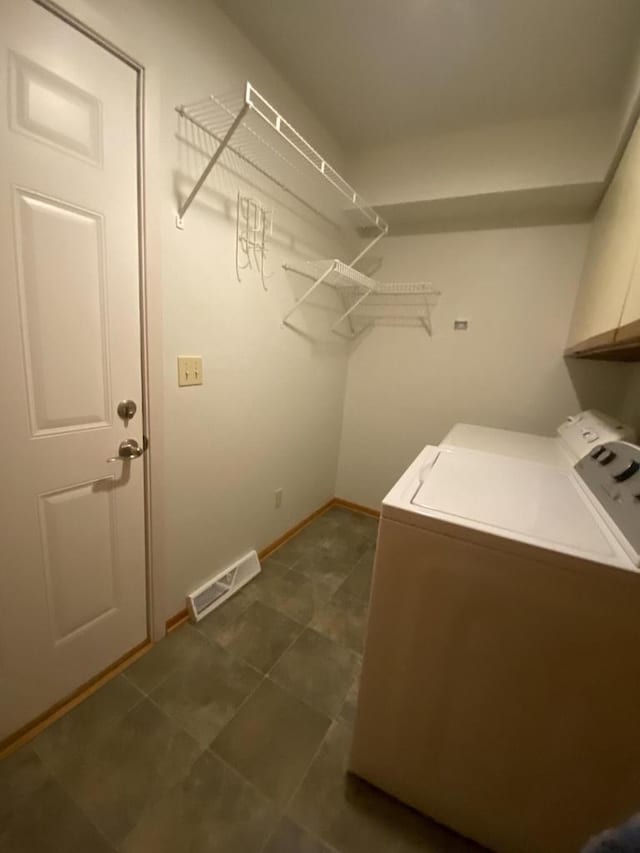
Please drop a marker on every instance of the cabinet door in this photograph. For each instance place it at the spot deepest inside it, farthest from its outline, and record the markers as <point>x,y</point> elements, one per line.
<point>630,321</point>
<point>611,255</point>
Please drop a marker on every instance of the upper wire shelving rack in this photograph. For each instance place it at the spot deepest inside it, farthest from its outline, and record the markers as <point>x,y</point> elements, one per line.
<point>249,127</point>
<point>255,132</point>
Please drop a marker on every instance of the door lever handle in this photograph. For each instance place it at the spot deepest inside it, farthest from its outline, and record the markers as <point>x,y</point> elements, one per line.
<point>128,449</point>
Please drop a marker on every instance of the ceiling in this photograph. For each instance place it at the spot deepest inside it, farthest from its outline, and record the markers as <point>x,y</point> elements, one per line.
<point>377,71</point>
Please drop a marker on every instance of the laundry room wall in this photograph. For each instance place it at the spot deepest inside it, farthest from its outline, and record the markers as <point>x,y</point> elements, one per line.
<point>270,412</point>
<point>554,166</point>
<point>268,415</point>
<point>516,287</point>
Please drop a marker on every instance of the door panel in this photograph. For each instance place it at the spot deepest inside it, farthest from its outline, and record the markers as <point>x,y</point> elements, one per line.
<point>51,109</point>
<point>78,531</point>
<point>72,542</point>
<point>68,385</point>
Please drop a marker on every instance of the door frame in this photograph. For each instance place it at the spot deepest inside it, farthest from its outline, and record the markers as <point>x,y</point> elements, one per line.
<point>151,351</point>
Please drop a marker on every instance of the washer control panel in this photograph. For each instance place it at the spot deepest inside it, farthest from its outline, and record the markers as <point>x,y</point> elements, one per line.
<point>583,432</point>
<point>611,472</point>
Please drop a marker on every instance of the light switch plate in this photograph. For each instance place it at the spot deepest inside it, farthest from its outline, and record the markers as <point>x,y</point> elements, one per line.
<point>189,370</point>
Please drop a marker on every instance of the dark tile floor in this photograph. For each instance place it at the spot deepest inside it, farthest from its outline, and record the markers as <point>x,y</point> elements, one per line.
<point>228,737</point>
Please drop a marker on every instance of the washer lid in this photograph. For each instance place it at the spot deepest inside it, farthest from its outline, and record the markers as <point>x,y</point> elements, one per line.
<point>523,500</point>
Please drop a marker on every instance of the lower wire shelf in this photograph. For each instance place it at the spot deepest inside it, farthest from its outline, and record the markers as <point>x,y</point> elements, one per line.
<point>406,303</point>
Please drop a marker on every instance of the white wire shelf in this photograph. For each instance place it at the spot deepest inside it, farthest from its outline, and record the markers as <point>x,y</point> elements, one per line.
<point>335,273</point>
<point>365,299</point>
<point>339,274</point>
<point>248,126</point>
<point>395,304</point>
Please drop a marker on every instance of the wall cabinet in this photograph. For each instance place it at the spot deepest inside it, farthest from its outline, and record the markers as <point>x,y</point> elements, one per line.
<point>607,307</point>
<point>630,321</point>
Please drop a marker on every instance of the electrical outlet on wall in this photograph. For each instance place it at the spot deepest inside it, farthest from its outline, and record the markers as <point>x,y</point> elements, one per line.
<point>189,370</point>
<point>278,500</point>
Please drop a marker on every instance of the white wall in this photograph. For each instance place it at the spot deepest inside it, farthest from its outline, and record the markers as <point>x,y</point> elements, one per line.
<point>405,390</point>
<point>546,152</point>
<point>268,415</point>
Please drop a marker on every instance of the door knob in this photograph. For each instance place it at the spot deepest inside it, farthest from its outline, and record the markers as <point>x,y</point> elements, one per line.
<point>128,449</point>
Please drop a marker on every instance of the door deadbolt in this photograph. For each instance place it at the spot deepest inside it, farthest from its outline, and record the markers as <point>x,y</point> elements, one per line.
<point>126,409</point>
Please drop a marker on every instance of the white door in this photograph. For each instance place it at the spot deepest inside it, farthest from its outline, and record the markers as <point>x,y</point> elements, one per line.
<point>72,543</point>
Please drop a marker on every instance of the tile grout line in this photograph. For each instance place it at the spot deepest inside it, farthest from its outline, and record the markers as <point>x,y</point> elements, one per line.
<point>312,836</point>
<point>308,627</point>
<point>180,725</point>
<point>53,777</point>
<point>333,720</point>
<point>109,726</point>
<point>306,773</point>
<point>215,644</point>
<point>173,670</point>
<point>59,781</point>
<point>177,723</point>
<point>275,610</point>
<point>266,676</point>
<point>303,628</point>
<point>151,803</point>
<point>279,810</point>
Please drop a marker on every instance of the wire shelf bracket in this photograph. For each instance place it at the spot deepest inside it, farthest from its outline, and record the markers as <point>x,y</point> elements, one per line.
<point>207,169</point>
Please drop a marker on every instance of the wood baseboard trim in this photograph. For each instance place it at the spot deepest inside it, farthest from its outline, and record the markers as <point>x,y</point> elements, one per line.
<point>48,717</point>
<point>177,619</point>
<point>269,549</point>
<point>354,507</point>
<point>182,616</point>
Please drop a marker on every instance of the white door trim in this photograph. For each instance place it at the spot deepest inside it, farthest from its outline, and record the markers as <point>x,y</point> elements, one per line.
<point>151,349</point>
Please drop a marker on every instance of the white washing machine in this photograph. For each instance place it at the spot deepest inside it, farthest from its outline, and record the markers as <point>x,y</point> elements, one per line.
<point>500,688</point>
<point>576,436</point>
